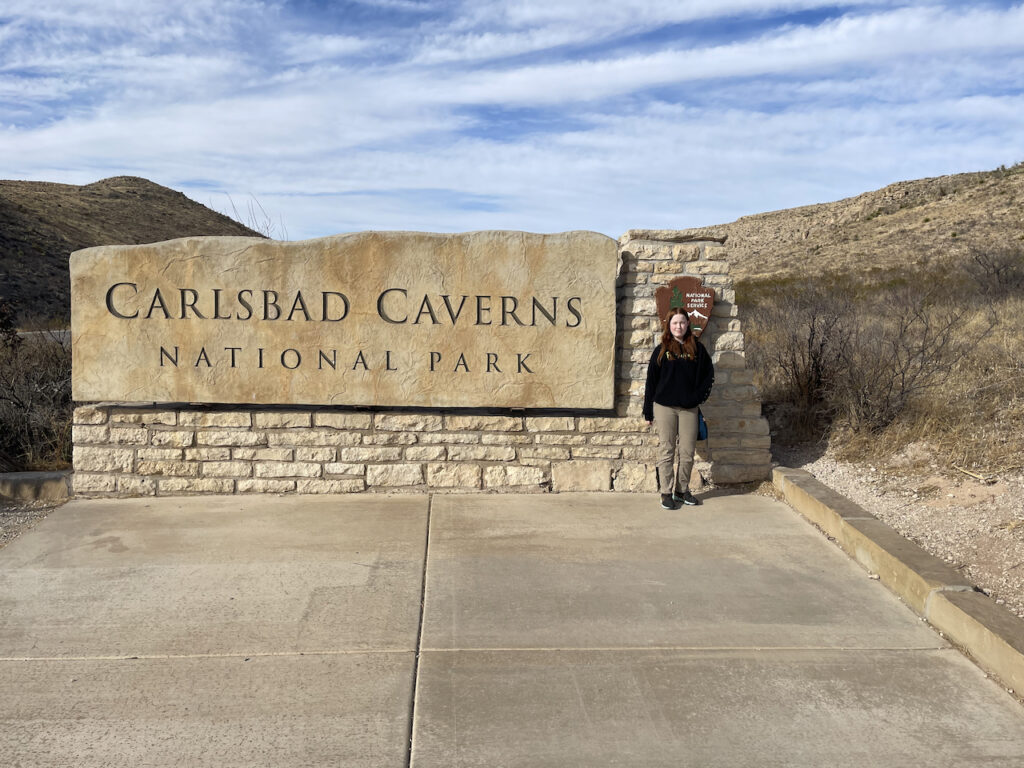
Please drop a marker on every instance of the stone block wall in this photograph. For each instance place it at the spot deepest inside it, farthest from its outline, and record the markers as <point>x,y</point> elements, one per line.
<point>131,450</point>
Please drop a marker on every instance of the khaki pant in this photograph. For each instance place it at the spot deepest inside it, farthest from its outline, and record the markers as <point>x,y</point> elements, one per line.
<point>677,429</point>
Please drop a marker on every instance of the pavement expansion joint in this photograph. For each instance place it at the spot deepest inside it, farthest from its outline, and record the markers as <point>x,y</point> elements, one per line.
<point>419,635</point>
<point>257,655</point>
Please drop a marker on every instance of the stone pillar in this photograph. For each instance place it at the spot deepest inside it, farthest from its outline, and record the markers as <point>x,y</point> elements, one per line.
<point>738,449</point>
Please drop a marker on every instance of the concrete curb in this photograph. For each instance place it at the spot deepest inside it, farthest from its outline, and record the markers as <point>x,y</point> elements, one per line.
<point>35,486</point>
<point>988,633</point>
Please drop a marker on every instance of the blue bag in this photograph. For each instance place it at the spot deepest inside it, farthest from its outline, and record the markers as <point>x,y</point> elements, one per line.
<point>702,426</point>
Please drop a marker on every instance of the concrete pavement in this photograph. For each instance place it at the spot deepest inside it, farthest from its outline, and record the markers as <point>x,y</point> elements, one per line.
<point>490,630</point>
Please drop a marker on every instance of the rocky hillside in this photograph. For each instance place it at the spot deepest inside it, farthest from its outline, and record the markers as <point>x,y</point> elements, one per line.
<point>42,223</point>
<point>928,221</point>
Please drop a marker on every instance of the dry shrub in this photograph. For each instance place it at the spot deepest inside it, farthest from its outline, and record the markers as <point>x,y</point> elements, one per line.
<point>796,347</point>
<point>978,418</point>
<point>35,401</point>
<point>942,365</point>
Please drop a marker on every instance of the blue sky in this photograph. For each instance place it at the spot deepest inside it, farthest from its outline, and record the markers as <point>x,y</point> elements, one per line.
<point>540,115</point>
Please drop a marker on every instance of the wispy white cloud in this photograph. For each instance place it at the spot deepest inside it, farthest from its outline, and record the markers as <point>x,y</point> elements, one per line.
<point>522,114</point>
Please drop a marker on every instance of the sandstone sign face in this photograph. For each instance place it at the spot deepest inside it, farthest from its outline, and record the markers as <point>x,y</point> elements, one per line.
<point>483,319</point>
<point>691,294</point>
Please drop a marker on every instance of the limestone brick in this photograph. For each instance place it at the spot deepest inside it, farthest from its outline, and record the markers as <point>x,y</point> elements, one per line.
<point>172,438</point>
<point>214,419</point>
<point>740,473</point>
<point>227,469</point>
<point>544,464</point>
<point>278,419</point>
<point>550,423</point>
<point>311,437</point>
<point>642,323</point>
<point>476,423</point>
<point>336,468</point>
<point>394,475</point>
<point>345,485</point>
<point>596,452</point>
<point>86,482</point>
<point>741,394</point>
<point>581,475</point>
<point>231,438</point>
<point>171,485</point>
<point>365,454</point>
<point>724,309</point>
<point>544,452</point>
<point>88,459</point>
<point>756,426</point>
<point>715,409</point>
<point>343,420</point>
<point>513,476</point>
<point>159,454</point>
<point>614,425</point>
<point>425,453</point>
<point>83,434</point>
<point>164,418</point>
<point>408,422</point>
<point>449,438</point>
<point>389,438</point>
<point>642,453</point>
<point>129,435</point>
<point>556,439</point>
<point>644,339</point>
<point>172,468</point>
<point>505,438</point>
<point>686,252</point>
<point>263,485</point>
<point>635,478</point>
<point>481,453</point>
<point>264,454</point>
<point>728,360</point>
<point>616,439</point>
<point>287,469</point>
<point>316,454</point>
<point>741,456</point>
<point>133,485</point>
<point>90,414</point>
<point>207,454</point>
<point>728,342</point>
<point>447,475</point>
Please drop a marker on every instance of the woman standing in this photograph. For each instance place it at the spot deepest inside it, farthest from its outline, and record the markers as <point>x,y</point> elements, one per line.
<point>679,379</point>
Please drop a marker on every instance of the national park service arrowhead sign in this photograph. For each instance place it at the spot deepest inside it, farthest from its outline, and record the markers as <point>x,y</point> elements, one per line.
<point>482,319</point>
<point>690,294</point>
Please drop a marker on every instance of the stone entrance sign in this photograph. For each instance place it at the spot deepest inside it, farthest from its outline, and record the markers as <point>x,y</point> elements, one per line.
<point>690,294</point>
<point>484,319</point>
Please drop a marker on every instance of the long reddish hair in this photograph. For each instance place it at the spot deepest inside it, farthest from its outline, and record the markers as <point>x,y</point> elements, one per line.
<point>687,349</point>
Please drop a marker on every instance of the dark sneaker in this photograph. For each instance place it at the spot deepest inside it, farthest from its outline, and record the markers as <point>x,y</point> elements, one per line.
<point>686,498</point>
<point>667,502</point>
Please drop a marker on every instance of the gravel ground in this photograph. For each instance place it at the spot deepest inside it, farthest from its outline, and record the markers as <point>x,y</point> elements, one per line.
<point>975,526</point>
<point>16,518</point>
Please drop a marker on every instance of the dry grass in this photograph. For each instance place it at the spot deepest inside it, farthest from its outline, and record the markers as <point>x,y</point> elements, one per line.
<point>873,369</point>
<point>35,403</point>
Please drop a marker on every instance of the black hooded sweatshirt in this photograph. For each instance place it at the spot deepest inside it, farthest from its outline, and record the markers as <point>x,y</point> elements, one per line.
<point>678,383</point>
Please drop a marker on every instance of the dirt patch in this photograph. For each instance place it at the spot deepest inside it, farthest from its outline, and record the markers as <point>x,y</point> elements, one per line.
<point>17,518</point>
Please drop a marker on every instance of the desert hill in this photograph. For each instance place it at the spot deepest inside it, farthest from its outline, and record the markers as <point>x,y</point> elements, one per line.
<point>923,222</point>
<point>909,223</point>
<point>41,223</point>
